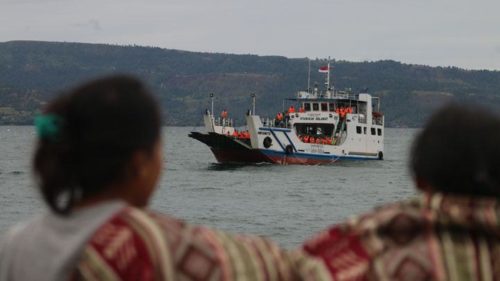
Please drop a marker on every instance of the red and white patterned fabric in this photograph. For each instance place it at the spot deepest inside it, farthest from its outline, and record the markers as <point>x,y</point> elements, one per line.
<point>138,245</point>
<point>434,237</point>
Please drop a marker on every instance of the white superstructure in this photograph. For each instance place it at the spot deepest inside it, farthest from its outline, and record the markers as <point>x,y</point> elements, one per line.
<point>319,127</point>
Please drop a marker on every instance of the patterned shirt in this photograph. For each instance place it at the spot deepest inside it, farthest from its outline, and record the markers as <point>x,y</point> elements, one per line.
<point>434,237</point>
<point>139,245</point>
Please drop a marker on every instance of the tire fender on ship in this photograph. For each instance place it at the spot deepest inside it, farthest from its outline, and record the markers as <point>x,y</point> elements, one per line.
<point>267,142</point>
<point>288,150</point>
<point>380,155</point>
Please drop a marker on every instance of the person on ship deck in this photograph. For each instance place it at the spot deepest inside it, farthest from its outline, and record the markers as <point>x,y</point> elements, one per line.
<point>97,162</point>
<point>279,119</point>
<point>451,231</point>
<point>223,114</point>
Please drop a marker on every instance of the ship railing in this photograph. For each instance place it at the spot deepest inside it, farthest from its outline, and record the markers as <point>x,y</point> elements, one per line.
<point>342,95</point>
<point>378,120</point>
<point>274,123</point>
<point>267,122</point>
<point>224,122</point>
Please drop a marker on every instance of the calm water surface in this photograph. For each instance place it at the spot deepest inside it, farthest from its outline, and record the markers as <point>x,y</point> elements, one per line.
<point>286,203</point>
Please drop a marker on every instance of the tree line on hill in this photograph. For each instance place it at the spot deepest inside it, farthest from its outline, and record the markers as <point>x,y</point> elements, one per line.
<point>32,72</point>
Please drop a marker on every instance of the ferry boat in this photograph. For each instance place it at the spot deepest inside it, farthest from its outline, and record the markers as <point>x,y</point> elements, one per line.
<point>320,127</point>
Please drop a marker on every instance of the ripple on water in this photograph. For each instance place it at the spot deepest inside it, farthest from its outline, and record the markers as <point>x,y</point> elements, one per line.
<point>208,188</point>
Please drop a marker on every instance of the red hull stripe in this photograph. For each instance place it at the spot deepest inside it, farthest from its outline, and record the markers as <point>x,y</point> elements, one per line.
<point>271,156</point>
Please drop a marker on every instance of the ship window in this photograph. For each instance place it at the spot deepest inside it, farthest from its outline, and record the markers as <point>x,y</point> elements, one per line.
<point>315,107</point>
<point>315,130</point>
<point>307,106</point>
<point>332,106</point>
<point>379,132</point>
<point>373,131</point>
<point>364,130</point>
<point>358,129</point>
<point>324,106</point>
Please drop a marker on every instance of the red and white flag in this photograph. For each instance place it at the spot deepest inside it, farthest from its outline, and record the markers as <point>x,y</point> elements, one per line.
<point>324,69</point>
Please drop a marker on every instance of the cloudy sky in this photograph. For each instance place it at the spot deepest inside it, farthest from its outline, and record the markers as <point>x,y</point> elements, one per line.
<point>464,33</point>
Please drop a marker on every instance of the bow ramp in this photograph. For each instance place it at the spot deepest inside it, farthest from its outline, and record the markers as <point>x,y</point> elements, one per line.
<point>228,149</point>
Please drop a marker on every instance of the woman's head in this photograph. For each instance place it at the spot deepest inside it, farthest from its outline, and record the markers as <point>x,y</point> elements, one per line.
<point>99,136</point>
<point>458,152</point>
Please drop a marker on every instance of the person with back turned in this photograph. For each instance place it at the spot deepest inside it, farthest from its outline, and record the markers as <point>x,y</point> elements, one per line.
<point>451,231</point>
<point>97,162</point>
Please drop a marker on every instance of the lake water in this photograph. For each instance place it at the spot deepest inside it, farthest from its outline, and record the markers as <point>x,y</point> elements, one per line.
<point>286,203</point>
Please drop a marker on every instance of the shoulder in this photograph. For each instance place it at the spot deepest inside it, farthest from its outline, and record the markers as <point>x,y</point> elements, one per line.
<point>15,234</point>
<point>366,223</point>
<point>11,241</point>
<point>129,246</point>
<point>350,249</point>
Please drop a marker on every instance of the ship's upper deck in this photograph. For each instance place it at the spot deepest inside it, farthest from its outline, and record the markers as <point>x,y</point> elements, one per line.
<point>328,94</point>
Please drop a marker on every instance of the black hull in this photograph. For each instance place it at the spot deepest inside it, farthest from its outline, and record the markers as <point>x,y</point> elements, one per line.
<point>227,149</point>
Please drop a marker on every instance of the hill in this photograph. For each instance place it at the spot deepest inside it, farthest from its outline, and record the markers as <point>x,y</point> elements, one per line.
<point>33,72</point>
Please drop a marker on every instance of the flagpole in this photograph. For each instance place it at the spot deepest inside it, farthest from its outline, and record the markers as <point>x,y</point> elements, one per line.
<point>328,79</point>
<point>309,76</point>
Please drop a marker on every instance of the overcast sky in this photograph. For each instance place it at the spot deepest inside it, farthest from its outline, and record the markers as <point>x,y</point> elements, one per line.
<point>464,33</point>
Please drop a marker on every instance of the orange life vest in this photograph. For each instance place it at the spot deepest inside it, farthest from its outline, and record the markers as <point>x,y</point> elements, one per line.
<point>279,116</point>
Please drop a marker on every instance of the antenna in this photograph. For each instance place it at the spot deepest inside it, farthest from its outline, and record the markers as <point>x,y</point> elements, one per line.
<point>212,102</point>
<point>253,103</point>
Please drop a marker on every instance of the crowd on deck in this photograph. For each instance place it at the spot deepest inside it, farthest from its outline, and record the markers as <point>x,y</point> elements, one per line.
<point>316,140</point>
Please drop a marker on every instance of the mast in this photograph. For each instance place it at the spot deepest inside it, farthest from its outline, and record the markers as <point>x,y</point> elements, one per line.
<point>328,76</point>
<point>212,102</point>
<point>253,103</point>
<point>309,76</point>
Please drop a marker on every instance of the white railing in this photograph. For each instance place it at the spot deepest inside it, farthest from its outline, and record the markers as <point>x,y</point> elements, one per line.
<point>224,122</point>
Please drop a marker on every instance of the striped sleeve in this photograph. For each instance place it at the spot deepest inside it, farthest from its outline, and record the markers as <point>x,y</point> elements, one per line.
<point>137,245</point>
<point>202,253</point>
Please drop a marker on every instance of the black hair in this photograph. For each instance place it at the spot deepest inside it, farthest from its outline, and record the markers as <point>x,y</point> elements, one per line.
<point>102,123</point>
<point>458,151</point>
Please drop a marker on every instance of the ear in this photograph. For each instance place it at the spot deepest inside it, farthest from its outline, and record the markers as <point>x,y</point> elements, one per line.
<point>137,167</point>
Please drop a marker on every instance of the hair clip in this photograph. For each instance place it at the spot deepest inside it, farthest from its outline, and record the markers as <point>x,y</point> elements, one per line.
<point>48,126</point>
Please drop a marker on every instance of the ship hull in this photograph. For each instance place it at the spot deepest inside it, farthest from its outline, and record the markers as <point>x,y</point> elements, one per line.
<point>253,156</point>
<point>307,158</point>
<point>227,149</point>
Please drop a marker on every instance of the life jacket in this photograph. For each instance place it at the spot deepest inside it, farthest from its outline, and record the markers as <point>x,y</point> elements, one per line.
<point>343,112</point>
<point>279,116</point>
